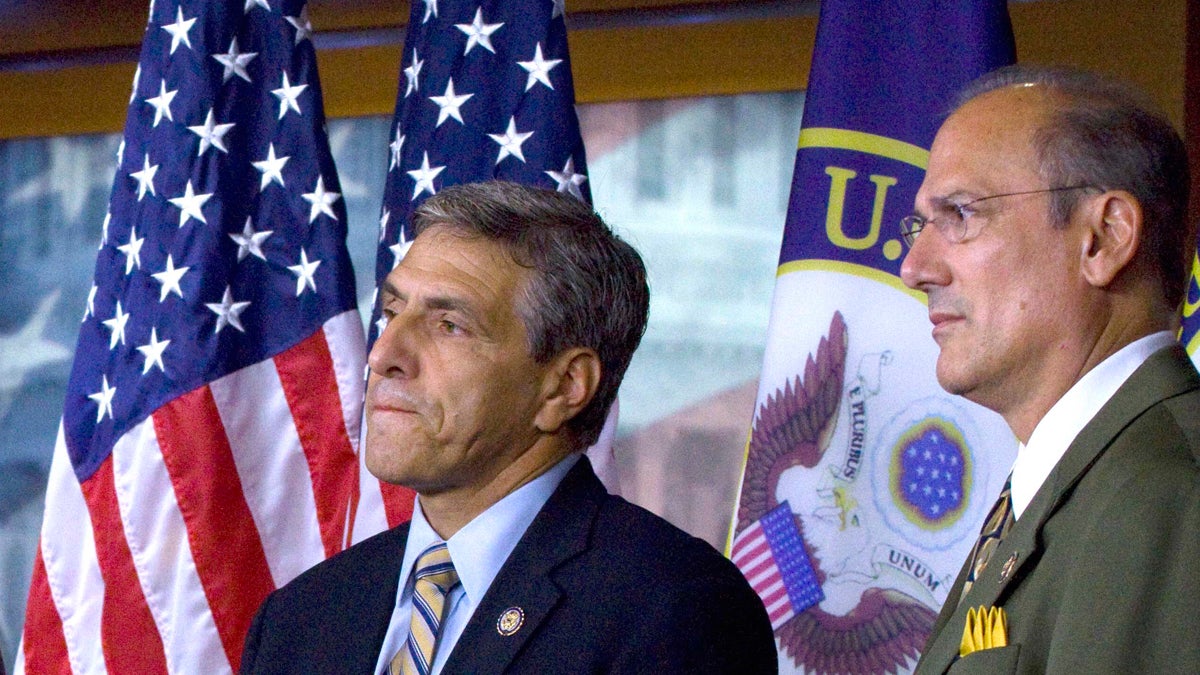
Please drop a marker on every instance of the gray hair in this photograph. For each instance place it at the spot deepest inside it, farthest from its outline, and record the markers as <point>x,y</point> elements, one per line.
<point>1109,135</point>
<point>588,287</point>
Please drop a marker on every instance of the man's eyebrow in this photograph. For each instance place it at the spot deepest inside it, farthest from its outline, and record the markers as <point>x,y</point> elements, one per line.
<point>449,303</point>
<point>950,202</point>
<point>437,302</point>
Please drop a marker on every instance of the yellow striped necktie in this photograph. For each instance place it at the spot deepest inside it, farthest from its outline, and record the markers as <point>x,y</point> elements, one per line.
<point>435,577</point>
<point>999,521</point>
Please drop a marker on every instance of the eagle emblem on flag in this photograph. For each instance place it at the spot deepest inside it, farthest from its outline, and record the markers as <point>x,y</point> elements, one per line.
<point>793,429</point>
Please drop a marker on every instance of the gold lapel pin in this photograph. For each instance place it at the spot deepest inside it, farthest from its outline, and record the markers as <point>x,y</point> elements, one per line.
<point>510,621</point>
<point>1008,567</point>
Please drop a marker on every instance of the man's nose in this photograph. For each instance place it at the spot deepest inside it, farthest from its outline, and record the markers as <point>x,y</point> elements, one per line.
<point>394,351</point>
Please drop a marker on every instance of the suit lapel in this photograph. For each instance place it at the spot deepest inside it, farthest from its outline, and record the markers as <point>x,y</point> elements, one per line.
<point>371,593</point>
<point>525,586</point>
<point>1165,374</point>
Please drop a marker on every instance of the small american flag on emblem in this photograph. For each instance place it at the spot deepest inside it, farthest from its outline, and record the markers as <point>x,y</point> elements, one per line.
<point>772,556</point>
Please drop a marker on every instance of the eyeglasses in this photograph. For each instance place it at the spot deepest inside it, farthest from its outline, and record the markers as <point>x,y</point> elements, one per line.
<point>953,223</point>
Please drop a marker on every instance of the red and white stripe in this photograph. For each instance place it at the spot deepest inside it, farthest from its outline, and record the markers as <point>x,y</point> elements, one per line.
<point>753,556</point>
<point>157,562</point>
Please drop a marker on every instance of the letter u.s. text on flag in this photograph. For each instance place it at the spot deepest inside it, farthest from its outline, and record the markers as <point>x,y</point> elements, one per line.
<point>208,449</point>
<point>885,475</point>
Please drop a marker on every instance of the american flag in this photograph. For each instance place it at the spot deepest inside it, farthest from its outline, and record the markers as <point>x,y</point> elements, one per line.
<point>485,92</point>
<point>770,553</point>
<point>208,447</point>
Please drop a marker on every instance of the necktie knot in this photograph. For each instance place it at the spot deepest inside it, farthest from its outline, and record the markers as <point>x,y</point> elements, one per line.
<point>434,567</point>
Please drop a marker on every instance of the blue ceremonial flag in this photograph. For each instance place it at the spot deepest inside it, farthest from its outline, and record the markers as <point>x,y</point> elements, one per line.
<point>485,93</point>
<point>208,448</point>
<point>887,476</point>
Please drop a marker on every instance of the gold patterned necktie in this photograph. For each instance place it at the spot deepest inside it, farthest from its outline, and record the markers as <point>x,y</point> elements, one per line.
<point>999,521</point>
<point>435,577</point>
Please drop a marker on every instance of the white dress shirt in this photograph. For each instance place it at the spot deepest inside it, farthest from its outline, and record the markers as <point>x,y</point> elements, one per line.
<point>478,551</point>
<point>1066,418</point>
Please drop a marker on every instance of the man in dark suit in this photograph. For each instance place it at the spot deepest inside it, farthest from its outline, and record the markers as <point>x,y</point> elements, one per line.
<point>510,323</point>
<point>1053,247</point>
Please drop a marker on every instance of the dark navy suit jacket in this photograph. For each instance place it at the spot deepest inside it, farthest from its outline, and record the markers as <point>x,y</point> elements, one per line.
<point>604,586</point>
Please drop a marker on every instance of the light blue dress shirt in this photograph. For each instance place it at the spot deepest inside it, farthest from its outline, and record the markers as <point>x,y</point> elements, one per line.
<point>478,551</point>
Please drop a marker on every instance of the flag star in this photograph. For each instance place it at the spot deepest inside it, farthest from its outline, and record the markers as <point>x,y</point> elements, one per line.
<point>235,62</point>
<point>424,176</point>
<point>478,32</point>
<point>145,178</point>
<point>229,313</point>
<point>560,8</point>
<point>104,399</point>
<point>250,242</point>
<point>450,104</point>
<point>137,77</point>
<point>287,95</point>
<point>568,180</point>
<point>383,223</point>
<point>211,134</point>
<point>153,351</point>
<point>302,25</point>
<point>380,324</point>
<point>396,146</point>
<point>121,152</point>
<point>430,10</point>
<point>190,204</point>
<point>399,249</point>
<point>411,73</point>
<point>117,326</point>
<point>539,69</point>
<point>132,250</point>
<point>91,303</point>
<point>162,103</point>
<point>170,278</point>
<point>179,30</point>
<point>104,230</point>
<point>510,141</point>
<point>304,272</point>
<point>250,4</point>
<point>271,168</point>
<point>321,200</point>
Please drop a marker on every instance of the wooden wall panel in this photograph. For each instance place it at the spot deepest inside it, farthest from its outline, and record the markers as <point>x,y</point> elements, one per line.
<point>1142,42</point>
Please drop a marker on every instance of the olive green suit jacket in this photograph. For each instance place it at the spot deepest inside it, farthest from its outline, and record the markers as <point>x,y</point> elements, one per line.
<point>1101,573</point>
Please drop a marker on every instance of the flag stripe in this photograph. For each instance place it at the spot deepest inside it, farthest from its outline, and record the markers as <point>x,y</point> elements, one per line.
<point>372,515</point>
<point>127,630</point>
<point>152,523</point>
<point>344,335</point>
<point>310,385</point>
<point>72,570</point>
<point>397,501</point>
<point>218,520</point>
<point>48,653</point>
<point>272,468</point>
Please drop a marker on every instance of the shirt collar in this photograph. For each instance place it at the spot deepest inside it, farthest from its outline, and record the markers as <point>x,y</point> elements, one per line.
<point>1056,431</point>
<point>480,548</point>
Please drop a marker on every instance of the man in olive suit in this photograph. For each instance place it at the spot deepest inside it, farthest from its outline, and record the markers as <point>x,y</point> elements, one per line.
<point>1050,237</point>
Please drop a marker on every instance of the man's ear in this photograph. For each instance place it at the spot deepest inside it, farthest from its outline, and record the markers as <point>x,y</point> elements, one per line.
<point>1115,232</point>
<point>570,384</point>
